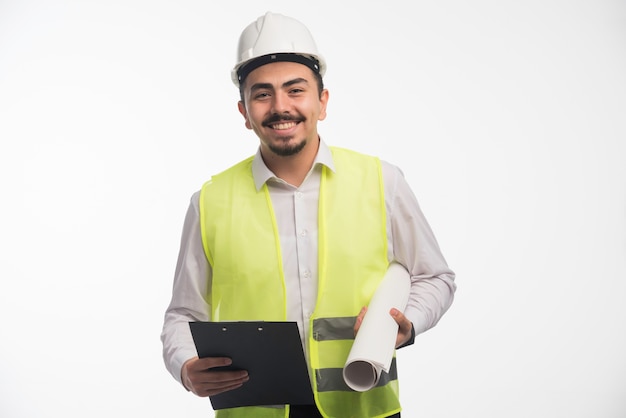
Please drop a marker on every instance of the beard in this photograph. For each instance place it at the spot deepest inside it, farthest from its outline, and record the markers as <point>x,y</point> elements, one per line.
<point>286,149</point>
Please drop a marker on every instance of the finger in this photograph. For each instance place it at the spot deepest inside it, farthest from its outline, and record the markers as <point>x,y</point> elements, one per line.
<point>402,321</point>
<point>221,378</point>
<point>359,319</point>
<point>404,327</point>
<point>210,391</point>
<point>211,362</point>
<point>207,383</point>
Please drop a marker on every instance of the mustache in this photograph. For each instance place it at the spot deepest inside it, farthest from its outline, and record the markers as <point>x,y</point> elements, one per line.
<point>282,117</point>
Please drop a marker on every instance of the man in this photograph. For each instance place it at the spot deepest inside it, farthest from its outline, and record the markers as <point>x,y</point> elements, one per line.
<point>300,232</point>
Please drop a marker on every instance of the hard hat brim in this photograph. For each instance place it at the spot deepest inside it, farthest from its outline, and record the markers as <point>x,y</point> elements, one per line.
<point>242,71</point>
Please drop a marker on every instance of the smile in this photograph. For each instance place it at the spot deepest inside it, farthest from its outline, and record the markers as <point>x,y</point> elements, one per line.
<point>284,125</point>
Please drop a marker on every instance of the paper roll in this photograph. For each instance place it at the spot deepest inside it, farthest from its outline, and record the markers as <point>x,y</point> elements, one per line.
<point>373,347</point>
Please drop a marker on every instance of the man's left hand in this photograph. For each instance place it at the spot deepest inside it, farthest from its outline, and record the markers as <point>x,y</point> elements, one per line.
<point>404,325</point>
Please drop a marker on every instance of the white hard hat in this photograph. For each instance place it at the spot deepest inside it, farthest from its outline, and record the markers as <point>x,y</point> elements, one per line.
<point>275,37</point>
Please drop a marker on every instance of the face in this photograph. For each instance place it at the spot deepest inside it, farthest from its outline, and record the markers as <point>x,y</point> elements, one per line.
<point>282,105</point>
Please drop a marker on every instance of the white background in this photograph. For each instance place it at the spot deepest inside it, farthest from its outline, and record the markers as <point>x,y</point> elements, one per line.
<point>507,117</point>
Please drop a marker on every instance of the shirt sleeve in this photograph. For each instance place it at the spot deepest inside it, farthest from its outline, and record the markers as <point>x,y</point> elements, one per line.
<point>189,295</point>
<point>413,244</point>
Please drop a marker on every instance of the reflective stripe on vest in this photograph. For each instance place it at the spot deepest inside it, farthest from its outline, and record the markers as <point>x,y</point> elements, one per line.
<point>242,244</point>
<point>253,412</point>
<point>328,329</point>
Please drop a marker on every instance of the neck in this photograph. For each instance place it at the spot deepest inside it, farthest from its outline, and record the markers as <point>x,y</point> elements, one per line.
<point>293,168</point>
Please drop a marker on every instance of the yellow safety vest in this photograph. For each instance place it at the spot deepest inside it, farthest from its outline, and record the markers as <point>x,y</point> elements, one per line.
<point>241,242</point>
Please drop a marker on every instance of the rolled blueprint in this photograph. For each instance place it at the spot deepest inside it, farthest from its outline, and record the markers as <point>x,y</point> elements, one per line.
<point>373,347</point>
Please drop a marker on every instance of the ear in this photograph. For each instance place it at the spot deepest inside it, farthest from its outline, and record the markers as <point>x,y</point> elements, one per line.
<point>323,104</point>
<point>242,109</point>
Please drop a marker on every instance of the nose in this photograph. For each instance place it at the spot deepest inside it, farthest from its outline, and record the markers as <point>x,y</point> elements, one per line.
<point>280,102</point>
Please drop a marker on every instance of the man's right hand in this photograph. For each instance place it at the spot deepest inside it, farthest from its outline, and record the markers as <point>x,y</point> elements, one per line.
<point>198,377</point>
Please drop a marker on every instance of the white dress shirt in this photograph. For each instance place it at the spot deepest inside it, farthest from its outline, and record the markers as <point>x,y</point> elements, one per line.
<point>410,243</point>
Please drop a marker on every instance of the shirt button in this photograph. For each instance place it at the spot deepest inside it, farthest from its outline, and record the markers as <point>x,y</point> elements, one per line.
<point>303,233</point>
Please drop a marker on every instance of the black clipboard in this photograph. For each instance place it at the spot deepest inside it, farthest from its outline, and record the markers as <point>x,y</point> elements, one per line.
<point>272,354</point>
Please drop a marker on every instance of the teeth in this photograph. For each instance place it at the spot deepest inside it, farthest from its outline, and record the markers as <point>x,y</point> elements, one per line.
<point>286,125</point>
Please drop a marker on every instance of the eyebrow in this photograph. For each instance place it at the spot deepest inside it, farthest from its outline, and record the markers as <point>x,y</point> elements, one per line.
<point>295,81</point>
<point>260,86</point>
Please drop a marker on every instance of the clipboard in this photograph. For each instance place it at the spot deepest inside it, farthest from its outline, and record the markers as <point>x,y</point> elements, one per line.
<point>272,354</point>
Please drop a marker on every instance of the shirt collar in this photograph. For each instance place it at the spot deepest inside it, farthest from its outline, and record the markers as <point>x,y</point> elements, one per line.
<point>262,174</point>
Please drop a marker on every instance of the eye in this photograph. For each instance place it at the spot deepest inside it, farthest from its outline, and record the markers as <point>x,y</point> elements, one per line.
<point>262,95</point>
<point>296,90</point>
